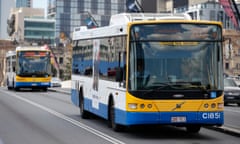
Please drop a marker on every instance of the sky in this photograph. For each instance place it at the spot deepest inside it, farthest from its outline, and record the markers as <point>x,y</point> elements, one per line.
<point>40,4</point>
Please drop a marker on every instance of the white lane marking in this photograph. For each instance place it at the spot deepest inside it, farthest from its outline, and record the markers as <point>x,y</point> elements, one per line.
<point>74,122</point>
<point>231,110</point>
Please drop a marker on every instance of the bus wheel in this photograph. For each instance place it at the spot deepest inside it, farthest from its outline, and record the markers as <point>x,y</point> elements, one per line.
<point>8,87</point>
<point>193,128</point>
<point>84,114</point>
<point>45,89</point>
<point>112,124</point>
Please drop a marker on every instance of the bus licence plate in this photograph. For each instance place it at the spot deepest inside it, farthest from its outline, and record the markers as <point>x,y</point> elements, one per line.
<point>178,119</point>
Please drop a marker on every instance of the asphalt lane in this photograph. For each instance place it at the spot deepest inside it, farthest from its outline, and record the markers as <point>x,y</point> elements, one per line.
<point>26,118</point>
<point>60,110</point>
<point>231,115</point>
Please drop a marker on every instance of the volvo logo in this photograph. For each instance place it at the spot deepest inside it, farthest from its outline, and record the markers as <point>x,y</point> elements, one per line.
<point>178,106</point>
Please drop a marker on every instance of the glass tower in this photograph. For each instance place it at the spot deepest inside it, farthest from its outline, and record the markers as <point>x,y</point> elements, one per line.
<point>74,13</point>
<point>23,3</point>
<point>5,7</point>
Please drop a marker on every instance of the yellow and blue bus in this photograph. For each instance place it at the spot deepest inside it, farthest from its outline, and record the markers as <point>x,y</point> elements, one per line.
<point>28,67</point>
<point>146,69</point>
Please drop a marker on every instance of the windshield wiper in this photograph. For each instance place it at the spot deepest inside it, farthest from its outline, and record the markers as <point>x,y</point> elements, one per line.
<point>176,86</point>
<point>160,86</point>
<point>193,85</point>
<point>189,82</point>
<point>166,85</point>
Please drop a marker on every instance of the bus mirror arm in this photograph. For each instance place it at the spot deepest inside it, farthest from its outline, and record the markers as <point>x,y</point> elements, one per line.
<point>119,74</point>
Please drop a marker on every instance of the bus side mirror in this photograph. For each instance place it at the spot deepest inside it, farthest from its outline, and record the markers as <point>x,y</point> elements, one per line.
<point>119,74</point>
<point>14,69</point>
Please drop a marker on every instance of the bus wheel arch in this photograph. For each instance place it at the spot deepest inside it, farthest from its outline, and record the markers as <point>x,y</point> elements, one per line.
<point>14,86</point>
<point>8,84</point>
<point>83,113</point>
<point>111,116</point>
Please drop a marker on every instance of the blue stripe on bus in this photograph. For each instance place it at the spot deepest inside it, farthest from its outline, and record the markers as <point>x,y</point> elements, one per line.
<point>134,118</point>
<point>32,84</point>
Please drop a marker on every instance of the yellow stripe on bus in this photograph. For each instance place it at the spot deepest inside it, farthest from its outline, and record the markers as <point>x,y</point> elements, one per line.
<point>139,105</point>
<point>32,79</point>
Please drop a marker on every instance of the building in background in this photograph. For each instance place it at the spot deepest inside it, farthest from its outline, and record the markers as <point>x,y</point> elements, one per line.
<point>5,6</point>
<point>68,14</point>
<point>74,13</point>
<point>207,10</point>
<point>38,30</point>
<point>212,10</point>
<point>5,46</point>
<point>23,3</point>
<point>41,4</point>
<point>29,25</point>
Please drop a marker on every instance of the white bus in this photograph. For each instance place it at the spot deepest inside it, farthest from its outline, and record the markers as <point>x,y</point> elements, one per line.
<point>107,81</point>
<point>28,67</point>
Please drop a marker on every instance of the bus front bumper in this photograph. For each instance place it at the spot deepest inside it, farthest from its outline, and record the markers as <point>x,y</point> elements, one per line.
<point>31,84</point>
<point>171,118</point>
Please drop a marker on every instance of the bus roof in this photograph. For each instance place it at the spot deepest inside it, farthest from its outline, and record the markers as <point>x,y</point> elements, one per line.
<point>124,18</point>
<point>26,48</point>
<point>100,32</point>
<point>118,24</point>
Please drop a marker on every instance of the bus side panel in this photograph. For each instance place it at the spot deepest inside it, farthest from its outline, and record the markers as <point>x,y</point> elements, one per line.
<point>10,79</point>
<point>75,97</point>
<point>75,87</point>
<point>97,101</point>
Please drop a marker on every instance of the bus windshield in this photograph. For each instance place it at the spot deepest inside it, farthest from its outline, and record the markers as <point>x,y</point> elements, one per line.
<point>175,56</point>
<point>33,63</point>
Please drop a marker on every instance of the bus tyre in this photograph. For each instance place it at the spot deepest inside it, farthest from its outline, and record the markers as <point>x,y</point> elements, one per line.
<point>193,128</point>
<point>17,89</point>
<point>112,123</point>
<point>84,114</point>
<point>45,89</point>
<point>8,87</point>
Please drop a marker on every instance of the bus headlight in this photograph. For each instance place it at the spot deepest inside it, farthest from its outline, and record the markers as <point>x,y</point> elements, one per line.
<point>213,105</point>
<point>149,105</point>
<point>132,105</point>
<point>206,105</point>
<point>142,106</point>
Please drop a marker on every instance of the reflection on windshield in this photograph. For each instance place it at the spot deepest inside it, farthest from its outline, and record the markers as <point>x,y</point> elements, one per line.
<point>190,62</point>
<point>38,66</point>
<point>179,66</point>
